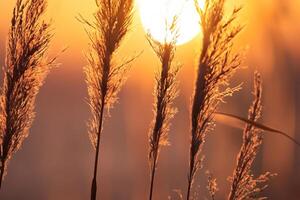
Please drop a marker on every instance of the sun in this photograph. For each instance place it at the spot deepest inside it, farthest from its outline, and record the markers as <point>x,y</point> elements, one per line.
<point>155,13</point>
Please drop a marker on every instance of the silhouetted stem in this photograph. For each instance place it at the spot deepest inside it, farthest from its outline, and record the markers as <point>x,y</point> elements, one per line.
<point>94,182</point>
<point>189,188</point>
<point>190,176</point>
<point>153,170</point>
<point>1,174</point>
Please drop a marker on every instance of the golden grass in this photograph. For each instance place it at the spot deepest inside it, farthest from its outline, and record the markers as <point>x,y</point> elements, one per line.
<point>216,66</point>
<point>165,93</point>
<point>26,67</point>
<point>243,183</point>
<point>104,78</point>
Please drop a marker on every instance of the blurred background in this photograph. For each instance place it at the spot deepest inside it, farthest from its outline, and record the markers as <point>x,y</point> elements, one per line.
<point>55,162</point>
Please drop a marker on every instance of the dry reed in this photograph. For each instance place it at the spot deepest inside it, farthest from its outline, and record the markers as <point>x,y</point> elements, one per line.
<point>216,66</point>
<point>26,67</point>
<point>212,185</point>
<point>104,78</point>
<point>243,183</point>
<point>165,93</point>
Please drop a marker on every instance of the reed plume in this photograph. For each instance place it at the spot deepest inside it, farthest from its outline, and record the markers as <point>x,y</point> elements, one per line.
<point>243,183</point>
<point>104,78</point>
<point>212,185</point>
<point>26,67</point>
<point>165,93</point>
<point>216,66</point>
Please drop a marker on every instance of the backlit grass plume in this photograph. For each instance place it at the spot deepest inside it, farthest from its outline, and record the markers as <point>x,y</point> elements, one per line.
<point>103,76</point>
<point>212,185</point>
<point>216,66</point>
<point>26,67</point>
<point>243,183</point>
<point>165,93</point>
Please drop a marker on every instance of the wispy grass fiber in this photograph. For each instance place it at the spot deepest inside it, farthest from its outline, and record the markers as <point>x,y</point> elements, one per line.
<point>103,76</point>
<point>26,67</point>
<point>217,64</point>
<point>165,93</point>
<point>243,183</point>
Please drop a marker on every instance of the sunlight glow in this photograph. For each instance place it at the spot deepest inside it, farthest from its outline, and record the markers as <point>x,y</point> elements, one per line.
<point>155,13</point>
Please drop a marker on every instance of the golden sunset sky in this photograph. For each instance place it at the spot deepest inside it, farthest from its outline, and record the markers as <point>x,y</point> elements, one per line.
<point>55,162</point>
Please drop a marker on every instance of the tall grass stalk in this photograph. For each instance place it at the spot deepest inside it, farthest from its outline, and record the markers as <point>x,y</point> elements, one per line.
<point>165,93</point>
<point>104,77</point>
<point>243,183</point>
<point>26,67</point>
<point>216,66</point>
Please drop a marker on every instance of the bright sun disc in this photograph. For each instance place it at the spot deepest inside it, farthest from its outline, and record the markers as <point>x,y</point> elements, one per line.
<point>155,13</point>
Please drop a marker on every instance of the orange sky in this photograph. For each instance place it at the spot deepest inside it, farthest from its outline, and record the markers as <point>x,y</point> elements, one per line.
<point>272,38</point>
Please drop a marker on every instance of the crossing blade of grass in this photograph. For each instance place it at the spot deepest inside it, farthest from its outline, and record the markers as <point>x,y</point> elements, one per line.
<point>259,126</point>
